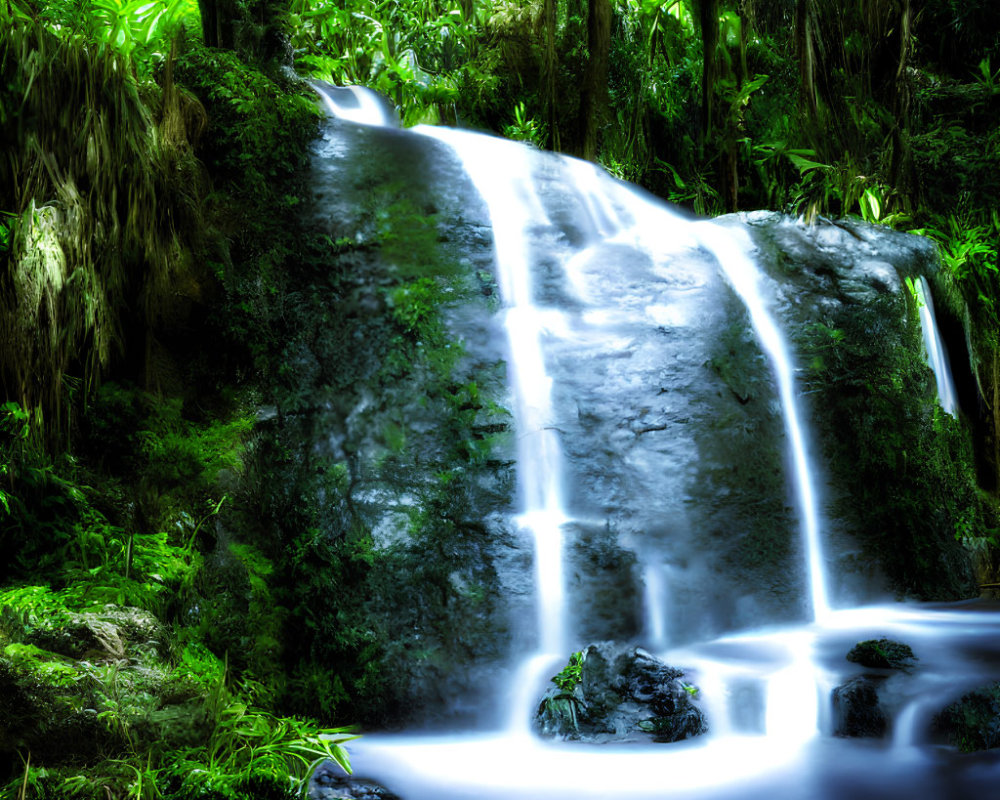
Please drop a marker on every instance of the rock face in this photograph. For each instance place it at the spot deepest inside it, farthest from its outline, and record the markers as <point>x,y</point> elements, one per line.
<point>856,708</point>
<point>620,694</point>
<point>842,297</point>
<point>675,468</point>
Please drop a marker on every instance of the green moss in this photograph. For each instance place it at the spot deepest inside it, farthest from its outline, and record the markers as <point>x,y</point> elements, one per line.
<point>882,654</point>
<point>48,668</point>
<point>973,722</point>
<point>908,467</point>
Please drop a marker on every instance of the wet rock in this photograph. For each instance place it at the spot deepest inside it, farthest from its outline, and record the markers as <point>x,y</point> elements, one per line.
<point>857,710</point>
<point>882,654</point>
<point>842,300</point>
<point>329,782</point>
<point>973,722</point>
<point>614,693</point>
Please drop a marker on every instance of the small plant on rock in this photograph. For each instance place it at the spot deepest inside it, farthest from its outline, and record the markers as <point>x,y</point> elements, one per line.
<point>569,677</point>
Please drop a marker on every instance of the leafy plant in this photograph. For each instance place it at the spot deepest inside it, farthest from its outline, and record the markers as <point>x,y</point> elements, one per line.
<point>987,78</point>
<point>569,677</point>
<point>873,203</point>
<point>525,128</point>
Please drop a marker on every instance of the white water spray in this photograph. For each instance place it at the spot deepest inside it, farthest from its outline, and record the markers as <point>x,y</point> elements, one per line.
<point>934,349</point>
<point>655,604</point>
<point>745,278</point>
<point>355,104</point>
<point>503,178</point>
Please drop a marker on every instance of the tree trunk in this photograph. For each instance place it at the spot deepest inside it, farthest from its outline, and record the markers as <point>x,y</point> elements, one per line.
<point>901,168</point>
<point>549,67</point>
<point>996,422</point>
<point>805,46</point>
<point>595,79</point>
<point>209,22</point>
<point>218,23</point>
<point>709,19</point>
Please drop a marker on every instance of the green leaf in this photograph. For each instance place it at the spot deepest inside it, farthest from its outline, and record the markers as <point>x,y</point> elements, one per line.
<point>805,165</point>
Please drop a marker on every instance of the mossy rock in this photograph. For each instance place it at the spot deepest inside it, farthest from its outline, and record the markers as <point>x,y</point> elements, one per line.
<point>972,723</point>
<point>98,635</point>
<point>882,654</point>
<point>103,689</point>
<point>622,694</point>
<point>54,723</point>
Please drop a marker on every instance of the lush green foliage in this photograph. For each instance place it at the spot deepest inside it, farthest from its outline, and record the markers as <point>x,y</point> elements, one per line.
<point>139,32</point>
<point>415,53</point>
<point>570,675</point>
<point>95,223</point>
<point>970,724</point>
<point>104,543</point>
<point>119,260</point>
<point>909,466</point>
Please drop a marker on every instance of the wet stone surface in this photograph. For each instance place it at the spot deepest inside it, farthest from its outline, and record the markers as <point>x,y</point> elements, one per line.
<point>329,782</point>
<point>857,710</point>
<point>623,694</point>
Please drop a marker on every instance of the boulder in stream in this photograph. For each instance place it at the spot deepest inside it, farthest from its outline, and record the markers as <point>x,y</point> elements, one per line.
<point>882,654</point>
<point>329,782</point>
<point>611,693</point>
<point>857,710</point>
<point>973,722</point>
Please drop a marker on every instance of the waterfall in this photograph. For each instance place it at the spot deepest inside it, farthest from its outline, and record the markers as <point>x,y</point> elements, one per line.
<point>934,349</point>
<point>508,176</point>
<point>746,279</point>
<point>502,177</point>
<point>355,104</point>
<point>614,307</point>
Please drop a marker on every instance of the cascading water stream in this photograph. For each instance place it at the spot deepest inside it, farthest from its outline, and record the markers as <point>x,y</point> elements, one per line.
<point>355,104</point>
<point>502,178</point>
<point>746,278</point>
<point>497,168</point>
<point>934,349</point>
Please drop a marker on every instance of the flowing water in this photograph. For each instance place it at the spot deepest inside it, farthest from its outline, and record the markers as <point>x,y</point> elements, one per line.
<point>590,269</point>
<point>934,348</point>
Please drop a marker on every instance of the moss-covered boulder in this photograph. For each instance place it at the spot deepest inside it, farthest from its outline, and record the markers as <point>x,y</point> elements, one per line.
<point>76,686</point>
<point>900,473</point>
<point>973,722</point>
<point>882,654</point>
<point>612,693</point>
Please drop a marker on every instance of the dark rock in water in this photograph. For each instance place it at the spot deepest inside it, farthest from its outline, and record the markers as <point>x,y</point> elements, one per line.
<point>614,693</point>
<point>329,782</point>
<point>972,723</point>
<point>882,654</point>
<point>857,710</point>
